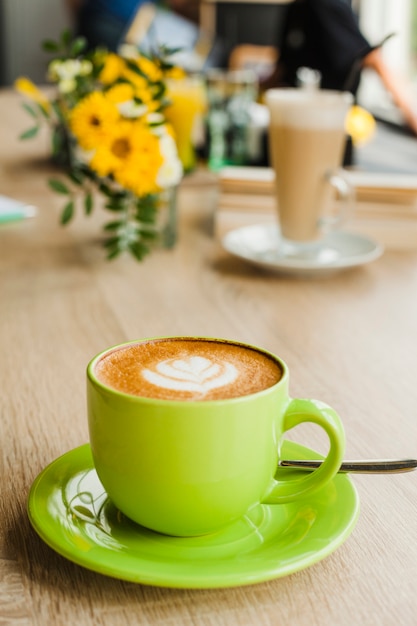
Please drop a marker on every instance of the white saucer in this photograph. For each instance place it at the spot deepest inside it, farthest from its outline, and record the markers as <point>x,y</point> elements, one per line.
<point>262,245</point>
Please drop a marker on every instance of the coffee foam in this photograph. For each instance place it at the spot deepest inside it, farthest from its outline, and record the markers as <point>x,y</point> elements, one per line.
<point>187,369</point>
<point>195,373</point>
<point>309,110</point>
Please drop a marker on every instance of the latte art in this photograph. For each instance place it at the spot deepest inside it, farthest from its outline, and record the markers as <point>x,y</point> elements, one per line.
<point>196,373</point>
<point>187,369</point>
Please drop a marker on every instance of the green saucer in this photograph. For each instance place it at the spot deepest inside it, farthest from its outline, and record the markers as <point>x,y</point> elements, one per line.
<point>71,512</point>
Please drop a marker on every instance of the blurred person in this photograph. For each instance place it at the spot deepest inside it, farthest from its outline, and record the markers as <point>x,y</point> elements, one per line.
<point>104,22</point>
<point>324,35</point>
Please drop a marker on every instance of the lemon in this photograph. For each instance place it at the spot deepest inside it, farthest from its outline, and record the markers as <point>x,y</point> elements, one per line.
<point>360,125</point>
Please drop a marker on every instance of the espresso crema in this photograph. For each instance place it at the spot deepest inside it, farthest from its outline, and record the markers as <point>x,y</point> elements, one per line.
<point>187,369</point>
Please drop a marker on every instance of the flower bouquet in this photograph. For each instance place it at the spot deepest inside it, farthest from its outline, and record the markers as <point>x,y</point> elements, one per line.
<point>109,130</point>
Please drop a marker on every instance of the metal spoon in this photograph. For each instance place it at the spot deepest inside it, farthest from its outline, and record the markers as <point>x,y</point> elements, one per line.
<point>381,466</point>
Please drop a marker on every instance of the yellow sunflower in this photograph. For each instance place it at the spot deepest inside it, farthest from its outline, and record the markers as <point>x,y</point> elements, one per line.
<point>132,157</point>
<point>111,154</point>
<point>139,82</point>
<point>143,91</point>
<point>142,164</point>
<point>150,68</point>
<point>120,93</point>
<point>92,120</point>
<point>113,68</point>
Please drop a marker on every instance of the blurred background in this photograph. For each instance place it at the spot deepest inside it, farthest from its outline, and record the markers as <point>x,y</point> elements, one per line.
<point>24,24</point>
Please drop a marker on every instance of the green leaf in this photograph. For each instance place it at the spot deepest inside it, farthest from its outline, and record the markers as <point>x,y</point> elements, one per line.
<point>67,213</point>
<point>88,203</point>
<point>28,134</point>
<point>115,205</point>
<point>89,174</point>
<point>138,250</point>
<point>113,241</point>
<point>148,234</point>
<point>50,46</point>
<point>30,110</point>
<point>57,143</point>
<point>58,186</point>
<point>156,124</point>
<point>160,90</point>
<point>136,69</point>
<point>113,225</point>
<point>146,213</point>
<point>66,37</point>
<point>112,254</point>
<point>105,190</point>
<point>167,51</point>
<point>77,46</point>
<point>44,112</point>
<point>76,176</point>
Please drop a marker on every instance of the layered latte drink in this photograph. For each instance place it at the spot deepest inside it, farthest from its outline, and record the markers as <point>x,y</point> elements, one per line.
<point>306,142</point>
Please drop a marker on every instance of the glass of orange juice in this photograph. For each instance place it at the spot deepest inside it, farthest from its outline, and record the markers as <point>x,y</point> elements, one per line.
<point>187,97</point>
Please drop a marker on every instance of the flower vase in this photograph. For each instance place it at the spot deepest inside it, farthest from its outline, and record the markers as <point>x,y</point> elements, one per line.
<point>62,146</point>
<point>166,219</point>
<point>143,223</point>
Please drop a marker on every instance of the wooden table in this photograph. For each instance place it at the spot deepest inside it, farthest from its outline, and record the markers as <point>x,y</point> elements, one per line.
<point>349,339</point>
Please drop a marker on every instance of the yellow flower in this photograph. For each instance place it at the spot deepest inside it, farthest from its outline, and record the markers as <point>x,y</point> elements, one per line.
<point>122,92</point>
<point>92,120</point>
<point>113,69</point>
<point>27,88</point>
<point>150,68</point>
<point>140,170</point>
<point>143,91</point>
<point>132,156</point>
<point>139,82</point>
<point>110,155</point>
<point>125,96</point>
<point>153,105</point>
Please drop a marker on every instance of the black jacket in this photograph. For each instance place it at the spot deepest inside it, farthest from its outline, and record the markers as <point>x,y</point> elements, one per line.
<point>323,35</point>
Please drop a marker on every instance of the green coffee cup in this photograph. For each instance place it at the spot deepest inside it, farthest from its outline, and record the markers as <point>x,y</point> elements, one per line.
<point>199,447</point>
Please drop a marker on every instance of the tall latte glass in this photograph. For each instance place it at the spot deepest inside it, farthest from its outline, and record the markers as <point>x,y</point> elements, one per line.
<point>307,140</point>
<point>185,432</point>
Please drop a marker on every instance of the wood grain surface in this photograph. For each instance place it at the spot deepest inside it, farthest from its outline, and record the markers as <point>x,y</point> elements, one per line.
<point>349,339</point>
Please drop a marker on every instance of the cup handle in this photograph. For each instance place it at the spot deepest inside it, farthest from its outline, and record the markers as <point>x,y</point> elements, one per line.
<point>316,412</point>
<point>346,194</point>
